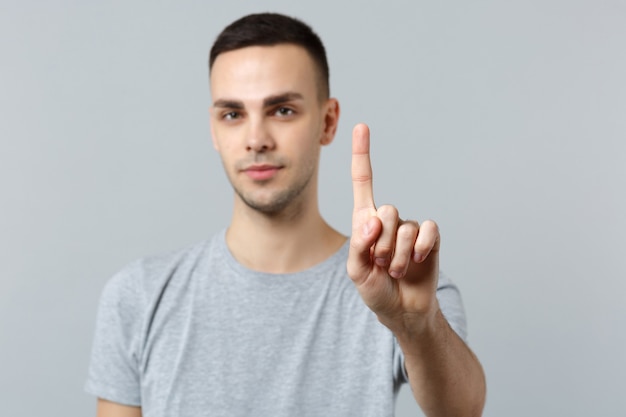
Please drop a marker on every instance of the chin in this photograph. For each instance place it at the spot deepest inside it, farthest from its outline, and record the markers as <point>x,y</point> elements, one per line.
<point>275,204</point>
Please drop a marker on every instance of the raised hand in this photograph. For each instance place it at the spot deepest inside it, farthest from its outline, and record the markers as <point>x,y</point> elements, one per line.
<point>394,263</point>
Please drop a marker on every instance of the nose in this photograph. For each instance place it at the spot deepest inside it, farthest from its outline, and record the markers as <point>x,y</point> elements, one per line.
<point>259,137</point>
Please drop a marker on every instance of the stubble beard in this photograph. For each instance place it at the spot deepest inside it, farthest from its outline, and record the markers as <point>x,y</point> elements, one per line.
<point>281,202</point>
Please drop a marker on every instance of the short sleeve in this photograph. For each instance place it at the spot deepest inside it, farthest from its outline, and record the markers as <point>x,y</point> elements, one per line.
<point>114,366</point>
<point>451,306</point>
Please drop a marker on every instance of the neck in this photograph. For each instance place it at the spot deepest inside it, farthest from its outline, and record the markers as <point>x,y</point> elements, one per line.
<point>281,243</point>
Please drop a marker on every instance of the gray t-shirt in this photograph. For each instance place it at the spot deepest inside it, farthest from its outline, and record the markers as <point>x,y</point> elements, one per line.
<point>195,333</point>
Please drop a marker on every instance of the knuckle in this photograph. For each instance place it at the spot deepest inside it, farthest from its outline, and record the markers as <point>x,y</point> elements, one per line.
<point>387,212</point>
<point>360,178</point>
<point>432,225</point>
<point>407,231</point>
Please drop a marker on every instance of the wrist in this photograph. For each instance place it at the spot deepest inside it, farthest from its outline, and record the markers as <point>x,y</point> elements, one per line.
<point>408,326</point>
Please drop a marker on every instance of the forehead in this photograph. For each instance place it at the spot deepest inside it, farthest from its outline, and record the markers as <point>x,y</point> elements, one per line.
<point>256,72</point>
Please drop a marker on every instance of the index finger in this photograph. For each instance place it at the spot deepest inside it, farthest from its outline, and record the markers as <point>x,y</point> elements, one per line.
<point>362,168</point>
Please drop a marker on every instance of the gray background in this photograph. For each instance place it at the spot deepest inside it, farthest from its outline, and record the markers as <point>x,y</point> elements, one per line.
<point>504,121</point>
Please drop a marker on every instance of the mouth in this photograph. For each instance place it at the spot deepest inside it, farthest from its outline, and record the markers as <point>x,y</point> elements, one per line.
<point>261,172</point>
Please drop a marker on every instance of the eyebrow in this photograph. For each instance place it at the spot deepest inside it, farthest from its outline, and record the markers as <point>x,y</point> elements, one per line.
<point>229,104</point>
<point>267,102</point>
<point>281,98</point>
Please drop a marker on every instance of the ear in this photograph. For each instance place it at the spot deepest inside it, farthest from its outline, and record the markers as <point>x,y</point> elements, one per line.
<point>212,129</point>
<point>331,121</point>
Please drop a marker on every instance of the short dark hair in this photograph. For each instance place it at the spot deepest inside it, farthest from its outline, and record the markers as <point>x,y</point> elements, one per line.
<point>269,29</point>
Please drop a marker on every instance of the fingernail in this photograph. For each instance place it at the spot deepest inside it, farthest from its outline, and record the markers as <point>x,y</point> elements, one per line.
<point>366,229</point>
<point>417,257</point>
<point>381,261</point>
<point>395,274</point>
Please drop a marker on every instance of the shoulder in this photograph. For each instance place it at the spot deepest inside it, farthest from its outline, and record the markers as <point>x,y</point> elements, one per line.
<point>143,277</point>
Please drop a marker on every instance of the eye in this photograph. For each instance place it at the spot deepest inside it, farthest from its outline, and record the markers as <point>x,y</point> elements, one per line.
<point>231,115</point>
<point>284,111</point>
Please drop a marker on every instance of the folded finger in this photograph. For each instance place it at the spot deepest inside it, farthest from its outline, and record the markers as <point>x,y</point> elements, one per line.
<point>427,241</point>
<point>405,241</point>
<point>386,242</point>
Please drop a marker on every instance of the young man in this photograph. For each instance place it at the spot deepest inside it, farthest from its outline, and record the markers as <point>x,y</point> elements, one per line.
<point>262,319</point>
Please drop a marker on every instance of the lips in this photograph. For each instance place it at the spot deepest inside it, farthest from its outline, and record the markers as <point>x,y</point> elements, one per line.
<point>261,172</point>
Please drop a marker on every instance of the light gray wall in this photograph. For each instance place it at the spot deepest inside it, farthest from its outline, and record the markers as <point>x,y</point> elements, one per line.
<point>504,121</point>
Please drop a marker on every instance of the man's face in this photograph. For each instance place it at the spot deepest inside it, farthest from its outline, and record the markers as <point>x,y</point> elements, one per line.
<point>268,124</point>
